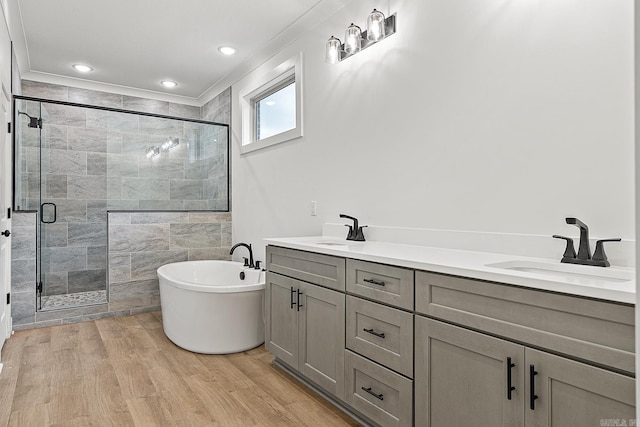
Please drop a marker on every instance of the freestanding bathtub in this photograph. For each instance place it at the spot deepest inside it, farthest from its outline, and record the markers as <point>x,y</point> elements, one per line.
<point>212,307</point>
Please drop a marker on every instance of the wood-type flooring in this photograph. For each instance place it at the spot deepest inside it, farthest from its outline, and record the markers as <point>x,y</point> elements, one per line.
<point>123,371</point>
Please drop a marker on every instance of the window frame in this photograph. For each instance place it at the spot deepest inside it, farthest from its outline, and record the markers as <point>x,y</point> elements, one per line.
<point>258,88</point>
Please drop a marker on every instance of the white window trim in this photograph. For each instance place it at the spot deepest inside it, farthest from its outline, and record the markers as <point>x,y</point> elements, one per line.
<point>253,89</point>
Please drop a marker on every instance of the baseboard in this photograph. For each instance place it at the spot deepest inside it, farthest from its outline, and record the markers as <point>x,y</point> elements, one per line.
<point>355,416</point>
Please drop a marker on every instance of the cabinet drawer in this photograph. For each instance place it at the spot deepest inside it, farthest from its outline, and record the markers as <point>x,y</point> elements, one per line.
<point>378,393</point>
<point>323,270</point>
<point>598,331</point>
<point>381,333</point>
<point>384,283</point>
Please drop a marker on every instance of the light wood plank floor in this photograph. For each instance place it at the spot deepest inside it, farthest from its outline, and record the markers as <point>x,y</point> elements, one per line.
<point>123,371</point>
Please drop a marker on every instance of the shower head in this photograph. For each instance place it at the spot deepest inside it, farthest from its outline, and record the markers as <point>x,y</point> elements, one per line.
<point>34,122</point>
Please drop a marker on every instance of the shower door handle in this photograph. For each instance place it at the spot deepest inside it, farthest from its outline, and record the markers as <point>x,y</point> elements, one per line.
<point>55,213</point>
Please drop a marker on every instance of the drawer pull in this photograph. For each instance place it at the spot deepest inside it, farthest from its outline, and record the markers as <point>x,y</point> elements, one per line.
<point>510,388</point>
<point>375,282</point>
<point>372,332</point>
<point>377,396</point>
<point>293,292</point>
<point>532,387</point>
<point>299,305</point>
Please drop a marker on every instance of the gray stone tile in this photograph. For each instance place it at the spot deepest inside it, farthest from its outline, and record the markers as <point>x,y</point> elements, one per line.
<point>198,169</point>
<point>196,205</point>
<point>186,189</point>
<point>23,243</point>
<point>135,144</point>
<point>23,270</point>
<point>97,119</point>
<point>70,210</point>
<point>145,105</point>
<point>135,294</point>
<point>54,235</point>
<point>45,90</point>
<point>54,137</point>
<point>96,257</point>
<point>221,253</point>
<point>139,310</point>
<point>55,283</point>
<point>144,265</point>
<point>97,215</point>
<point>87,280</point>
<point>119,268</point>
<point>63,259</point>
<point>114,142</point>
<point>159,217</point>
<point>87,187</point>
<point>54,186</point>
<point>159,126</point>
<point>123,205</point>
<point>32,158</point>
<point>182,110</point>
<point>218,205</point>
<point>94,97</point>
<point>97,204</point>
<point>33,325</point>
<point>145,188</point>
<point>23,307</point>
<point>162,205</point>
<point>87,234</point>
<point>136,238</point>
<point>96,164</point>
<point>67,115</point>
<point>24,286</point>
<point>124,122</point>
<point>87,139</point>
<point>119,165</point>
<point>114,188</point>
<point>97,316</point>
<point>43,316</point>
<point>23,219</point>
<point>218,106</point>
<point>195,235</point>
<point>226,234</point>
<point>211,217</point>
<point>64,162</point>
<point>162,168</point>
<point>119,218</point>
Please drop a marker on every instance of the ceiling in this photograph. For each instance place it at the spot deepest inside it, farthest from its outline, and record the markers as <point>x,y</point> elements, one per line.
<point>138,43</point>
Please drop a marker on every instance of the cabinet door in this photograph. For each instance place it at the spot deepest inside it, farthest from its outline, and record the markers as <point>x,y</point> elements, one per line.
<point>573,394</point>
<point>462,378</point>
<point>321,337</point>
<point>281,334</point>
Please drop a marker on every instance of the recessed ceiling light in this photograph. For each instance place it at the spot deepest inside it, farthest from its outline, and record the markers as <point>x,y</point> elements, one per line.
<point>168,83</point>
<point>227,50</point>
<point>82,68</point>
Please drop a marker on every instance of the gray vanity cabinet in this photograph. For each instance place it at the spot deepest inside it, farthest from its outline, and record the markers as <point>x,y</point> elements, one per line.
<point>463,378</point>
<point>469,378</point>
<point>305,323</point>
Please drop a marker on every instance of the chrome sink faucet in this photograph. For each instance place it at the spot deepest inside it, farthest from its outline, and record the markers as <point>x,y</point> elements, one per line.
<point>584,257</point>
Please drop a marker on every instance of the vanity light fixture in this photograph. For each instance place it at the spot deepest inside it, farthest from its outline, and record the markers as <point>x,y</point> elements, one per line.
<point>152,152</point>
<point>378,28</point>
<point>227,50</point>
<point>168,83</point>
<point>170,143</point>
<point>82,68</point>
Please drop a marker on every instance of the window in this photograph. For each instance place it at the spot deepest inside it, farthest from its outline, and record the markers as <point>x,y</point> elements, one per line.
<point>276,111</point>
<point>271,106</point>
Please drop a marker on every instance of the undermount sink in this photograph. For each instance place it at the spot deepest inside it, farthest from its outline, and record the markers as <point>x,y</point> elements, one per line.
<point>581,274</point>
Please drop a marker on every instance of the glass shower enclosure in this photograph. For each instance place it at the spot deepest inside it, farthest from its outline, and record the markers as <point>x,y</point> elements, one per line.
<point>74,164</point>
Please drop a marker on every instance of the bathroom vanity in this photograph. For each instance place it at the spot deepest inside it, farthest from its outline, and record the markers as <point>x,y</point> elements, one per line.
<point>402,335</point>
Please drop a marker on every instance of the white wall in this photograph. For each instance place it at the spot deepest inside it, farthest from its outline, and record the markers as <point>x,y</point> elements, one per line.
<point>492,115</point>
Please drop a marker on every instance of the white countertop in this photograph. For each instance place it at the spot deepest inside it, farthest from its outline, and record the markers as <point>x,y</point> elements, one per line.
<point>580,280</point>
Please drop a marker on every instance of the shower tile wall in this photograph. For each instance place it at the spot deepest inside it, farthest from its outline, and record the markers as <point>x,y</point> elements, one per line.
<point>23,267</point>
<point>79,168</point>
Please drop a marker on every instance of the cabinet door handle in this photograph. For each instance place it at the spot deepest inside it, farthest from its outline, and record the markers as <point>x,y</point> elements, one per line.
<point>293,292</point>
<point>532,387</point>
<point>510,388</point>
<point>375,282</point>
<point>299,305</point>
<point>377,396</point>
<point>372,332</point>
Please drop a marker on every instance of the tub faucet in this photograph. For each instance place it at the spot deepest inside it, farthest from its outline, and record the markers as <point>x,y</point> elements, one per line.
<point>248,246</point>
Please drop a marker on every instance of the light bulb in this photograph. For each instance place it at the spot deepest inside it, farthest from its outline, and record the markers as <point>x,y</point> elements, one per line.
<point>352,39</point>
<point>375,26</point>
<point>332,55</point>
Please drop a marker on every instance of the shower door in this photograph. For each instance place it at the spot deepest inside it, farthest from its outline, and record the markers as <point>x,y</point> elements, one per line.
<point>72,209</point>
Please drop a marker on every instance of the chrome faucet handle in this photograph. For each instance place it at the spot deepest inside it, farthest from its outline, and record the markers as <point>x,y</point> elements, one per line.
<point>599,255</point>
<point>569,251</point>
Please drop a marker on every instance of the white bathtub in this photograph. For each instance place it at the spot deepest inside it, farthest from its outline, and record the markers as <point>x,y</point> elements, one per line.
<point>207,308</point>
